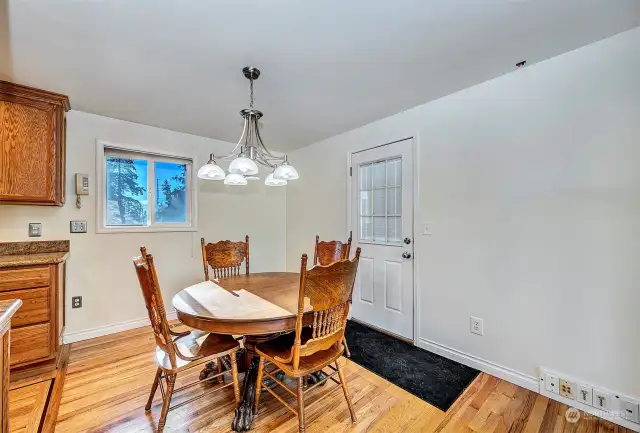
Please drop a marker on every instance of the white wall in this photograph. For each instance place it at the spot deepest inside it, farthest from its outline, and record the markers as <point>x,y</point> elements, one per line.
<point>532,181</point>
<point>100,267</point>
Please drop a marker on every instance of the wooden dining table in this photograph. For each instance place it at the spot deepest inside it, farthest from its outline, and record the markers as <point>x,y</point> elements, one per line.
<point>259,307</point>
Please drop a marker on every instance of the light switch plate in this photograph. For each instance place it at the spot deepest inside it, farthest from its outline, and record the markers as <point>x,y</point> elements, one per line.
<point>35,230</point>
<point>78,226</point>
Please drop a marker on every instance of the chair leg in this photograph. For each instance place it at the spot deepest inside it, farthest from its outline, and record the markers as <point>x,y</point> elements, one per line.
<point>343,382</point>
<point>171,381</point>
<point>154,388</point>
<point>301,405</point>
<point>346,348</point>
<point>258,385</point>
<point>220,370</point>
<point>234,377</point>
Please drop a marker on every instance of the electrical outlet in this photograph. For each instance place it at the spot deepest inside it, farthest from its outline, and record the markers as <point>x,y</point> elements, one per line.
<point>552,383</point>
<point>477,325</point>
<point>567,389</point>
<point>628,409</point>
<point>35,230</point>
<point>76,302</point>
<point>601,399</point>
<point>77,226</point>
<point>585,394</point>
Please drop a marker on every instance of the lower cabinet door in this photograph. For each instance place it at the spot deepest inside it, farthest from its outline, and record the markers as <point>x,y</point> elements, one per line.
<point>31,343</point>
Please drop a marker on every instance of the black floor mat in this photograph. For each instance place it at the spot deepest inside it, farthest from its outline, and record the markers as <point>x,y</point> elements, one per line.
<point>438,381</point>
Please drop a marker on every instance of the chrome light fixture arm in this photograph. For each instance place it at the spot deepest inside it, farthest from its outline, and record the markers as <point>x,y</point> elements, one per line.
<point>250,149</point>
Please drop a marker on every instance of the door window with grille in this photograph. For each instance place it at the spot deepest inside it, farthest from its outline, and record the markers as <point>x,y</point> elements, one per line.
<point>380,212</point>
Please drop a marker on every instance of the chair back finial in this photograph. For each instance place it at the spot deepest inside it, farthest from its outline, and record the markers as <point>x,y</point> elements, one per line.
<point>326,252</point>
<point>328,289</point>
<point>225,257</point>
<point>148,278</point>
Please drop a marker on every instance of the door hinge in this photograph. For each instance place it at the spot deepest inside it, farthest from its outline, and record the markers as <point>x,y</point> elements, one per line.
<point>350,171</point>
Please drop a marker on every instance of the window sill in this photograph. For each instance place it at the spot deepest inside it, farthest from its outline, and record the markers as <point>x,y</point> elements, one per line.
<point>116,230</point>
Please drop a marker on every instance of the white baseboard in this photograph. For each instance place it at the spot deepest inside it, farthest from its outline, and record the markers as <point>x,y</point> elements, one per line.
<point>72,337</point>
<point>513,376</point>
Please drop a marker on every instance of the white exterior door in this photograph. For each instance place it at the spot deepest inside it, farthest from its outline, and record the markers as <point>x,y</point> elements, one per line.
<point>382,224</point>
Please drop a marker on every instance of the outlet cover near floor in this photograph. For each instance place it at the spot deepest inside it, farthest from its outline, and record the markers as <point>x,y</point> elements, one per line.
<point>628,409</point>
<point>552,383</point>
<point>601,399</point>
<point>567,389</point>
<point>585,394</point>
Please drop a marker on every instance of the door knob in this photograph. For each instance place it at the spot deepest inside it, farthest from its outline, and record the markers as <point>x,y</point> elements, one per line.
<point>407,241</point>
<point>406,255</point>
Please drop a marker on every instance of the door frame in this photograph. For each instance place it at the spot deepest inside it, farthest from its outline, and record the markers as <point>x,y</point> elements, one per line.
<point>415,148</point>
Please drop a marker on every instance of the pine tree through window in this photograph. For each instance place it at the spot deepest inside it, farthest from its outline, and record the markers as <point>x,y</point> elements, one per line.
<point>145,191</point>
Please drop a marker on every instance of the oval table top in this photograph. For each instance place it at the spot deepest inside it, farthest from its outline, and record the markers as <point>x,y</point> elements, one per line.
<point>254,304</point>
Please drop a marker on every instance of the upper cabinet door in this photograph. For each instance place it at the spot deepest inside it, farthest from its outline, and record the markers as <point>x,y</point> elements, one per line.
<point>32,145</point>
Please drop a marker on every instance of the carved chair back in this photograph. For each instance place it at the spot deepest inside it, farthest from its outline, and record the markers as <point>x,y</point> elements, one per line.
<point>326,252</point>
<point>148,278</point>
<point>225,258</point>
<point>329,290</point>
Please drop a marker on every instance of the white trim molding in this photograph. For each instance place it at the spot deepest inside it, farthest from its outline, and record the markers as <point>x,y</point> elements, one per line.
<point>506,373</point>
<point>72,337</point>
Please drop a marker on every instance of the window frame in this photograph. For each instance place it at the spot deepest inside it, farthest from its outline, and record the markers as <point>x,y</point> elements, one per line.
<point>151,156</point>
<point>398,187</point>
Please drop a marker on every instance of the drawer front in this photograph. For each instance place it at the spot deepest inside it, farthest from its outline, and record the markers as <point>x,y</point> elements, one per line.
<point>35,306</point>
<point>30,343</point>
<point>24,278</point>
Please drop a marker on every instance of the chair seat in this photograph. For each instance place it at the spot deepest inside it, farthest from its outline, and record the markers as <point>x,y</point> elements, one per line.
<point>198,343</point>
<point>281,347</point>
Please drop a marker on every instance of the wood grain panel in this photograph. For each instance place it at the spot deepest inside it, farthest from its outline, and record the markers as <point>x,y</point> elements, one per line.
<point>35,306</point>
<point>4,379</point>
<point>30,343</point>
<point>32,145</point>
<point>24,277</point>
<point>27,407</point>
<point>28,163</point>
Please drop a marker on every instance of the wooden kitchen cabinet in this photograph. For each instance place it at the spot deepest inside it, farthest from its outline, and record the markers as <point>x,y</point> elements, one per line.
<point>37,326</point>
<point>7,310</point>
<point>32,145</point>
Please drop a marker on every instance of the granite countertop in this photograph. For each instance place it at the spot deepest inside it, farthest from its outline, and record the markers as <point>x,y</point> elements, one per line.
<point>32,259</point>
<point>33,253</point>
<point>7,309</point>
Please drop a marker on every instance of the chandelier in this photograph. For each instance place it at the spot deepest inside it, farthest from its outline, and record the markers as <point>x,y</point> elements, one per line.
<point>250,151</point>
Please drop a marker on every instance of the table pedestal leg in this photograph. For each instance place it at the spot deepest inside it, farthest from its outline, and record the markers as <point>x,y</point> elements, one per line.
<point>243,418</point>
<point>314,378</point>
<point>244,412</point>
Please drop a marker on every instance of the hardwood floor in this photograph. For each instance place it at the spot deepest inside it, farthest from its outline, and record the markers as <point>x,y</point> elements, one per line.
<point>27,406</point>
<point>109,378</point>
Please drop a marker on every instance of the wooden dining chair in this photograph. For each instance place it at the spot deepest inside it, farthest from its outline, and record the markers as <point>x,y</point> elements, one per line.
<point>311,349</point>
<point>225,258</point>
<point>178,351</point>
<point>327,252</point>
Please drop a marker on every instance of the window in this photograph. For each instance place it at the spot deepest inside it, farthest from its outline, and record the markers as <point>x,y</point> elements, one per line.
<point>139,191</point>
<point>381,201</point>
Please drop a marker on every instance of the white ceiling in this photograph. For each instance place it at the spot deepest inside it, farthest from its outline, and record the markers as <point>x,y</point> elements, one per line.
<point>328,66</point>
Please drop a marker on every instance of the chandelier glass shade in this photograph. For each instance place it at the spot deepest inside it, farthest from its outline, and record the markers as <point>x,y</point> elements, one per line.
<point>235,179</point>
<point>250,151</point>
<point>272,181</point>
<point>211,170</point>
